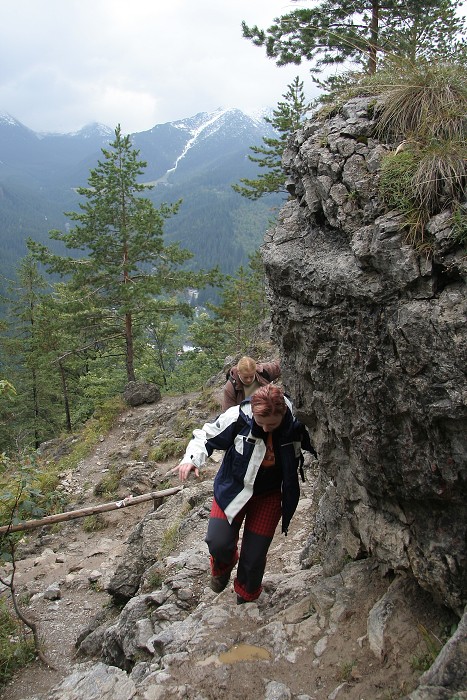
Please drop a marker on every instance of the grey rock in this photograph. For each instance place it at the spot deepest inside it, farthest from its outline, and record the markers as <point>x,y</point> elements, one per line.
<point>429,693</point>
<point>277,691</point>
<point>98,682</point>
<point>53,592</point>
<point>123,642</point>
<point>138,393</point>
<point>373,344</point>
<point>334,694</point>
<point>145,542</point>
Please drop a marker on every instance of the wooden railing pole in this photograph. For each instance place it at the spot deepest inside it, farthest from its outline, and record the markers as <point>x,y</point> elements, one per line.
<point>90,510</point>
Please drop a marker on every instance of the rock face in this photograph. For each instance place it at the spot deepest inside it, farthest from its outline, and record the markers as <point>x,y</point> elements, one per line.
<point>373,339</point>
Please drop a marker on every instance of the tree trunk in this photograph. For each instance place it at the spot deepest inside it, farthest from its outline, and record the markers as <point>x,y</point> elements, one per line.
<point>130,369</point>
<point>37,440</point>
<point>65,397</point>
<point>129,353</point>
<point>374,31</point>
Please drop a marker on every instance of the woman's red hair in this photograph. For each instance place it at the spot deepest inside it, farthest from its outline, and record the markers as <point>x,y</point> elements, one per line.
<point>268,401</point>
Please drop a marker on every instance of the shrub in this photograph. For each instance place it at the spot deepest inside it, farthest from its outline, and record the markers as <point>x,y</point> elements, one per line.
<point>168,447</point>
<point>170,540</point>
<point>422,100</point>
<point>94,523</point>
<point>16,647</point>
<point>108,485</point>
<point>459,224</point>
<point>28,491</point>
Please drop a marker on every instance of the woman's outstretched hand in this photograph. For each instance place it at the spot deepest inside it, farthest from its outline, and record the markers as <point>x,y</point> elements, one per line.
<point>184,470</point>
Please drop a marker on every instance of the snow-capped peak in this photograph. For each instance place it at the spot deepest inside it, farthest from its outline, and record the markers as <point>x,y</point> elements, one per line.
<point>93,129</point>
<point>195,125</point>
<point>8,120</point>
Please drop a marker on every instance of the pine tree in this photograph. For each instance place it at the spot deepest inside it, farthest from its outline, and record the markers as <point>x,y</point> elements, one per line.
<point>125,266</point>
<point>286,118</point>
<point>338,31</point>
<point>35,409</point>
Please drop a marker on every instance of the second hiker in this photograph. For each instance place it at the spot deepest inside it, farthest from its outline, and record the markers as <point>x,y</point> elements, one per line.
<point>245,378</point>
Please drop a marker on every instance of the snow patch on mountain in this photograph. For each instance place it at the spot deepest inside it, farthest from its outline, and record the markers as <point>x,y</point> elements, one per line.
<point>204,126</point>
<point>196,131</point>
<point>7,119</point>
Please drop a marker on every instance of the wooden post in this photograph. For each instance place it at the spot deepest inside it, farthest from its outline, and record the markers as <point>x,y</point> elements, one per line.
<point>90,510</point>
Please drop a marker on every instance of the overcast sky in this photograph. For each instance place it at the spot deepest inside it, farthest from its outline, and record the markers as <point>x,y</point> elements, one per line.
<point>66,63</point>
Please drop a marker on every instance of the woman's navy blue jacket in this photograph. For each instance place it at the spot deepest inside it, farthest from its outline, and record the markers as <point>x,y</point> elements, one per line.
<point>244,443</point>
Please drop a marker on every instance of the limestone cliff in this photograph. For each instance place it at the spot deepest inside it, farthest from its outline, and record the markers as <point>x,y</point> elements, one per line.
<point>373,338</point>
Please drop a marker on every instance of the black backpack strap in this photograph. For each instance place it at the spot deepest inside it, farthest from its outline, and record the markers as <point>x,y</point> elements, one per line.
<point>301,460</point>
<point>242,418</point>
<point>306,445</point>
<point>230,378</point>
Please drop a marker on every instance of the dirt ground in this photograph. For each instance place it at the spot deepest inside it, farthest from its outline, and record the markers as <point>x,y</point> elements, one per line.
<point>347,669</point>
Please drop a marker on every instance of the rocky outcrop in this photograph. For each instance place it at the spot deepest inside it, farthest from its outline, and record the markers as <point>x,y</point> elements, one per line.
<point>373,338</point>
<point>146,542</point>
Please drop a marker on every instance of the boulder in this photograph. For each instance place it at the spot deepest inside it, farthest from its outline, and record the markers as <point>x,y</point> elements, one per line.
<point>137,393</point>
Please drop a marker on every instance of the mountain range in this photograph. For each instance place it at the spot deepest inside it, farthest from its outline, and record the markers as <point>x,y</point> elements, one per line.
<point>196,159</point>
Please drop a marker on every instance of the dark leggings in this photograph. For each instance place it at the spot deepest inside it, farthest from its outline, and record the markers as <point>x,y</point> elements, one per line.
<point>261,515</point>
